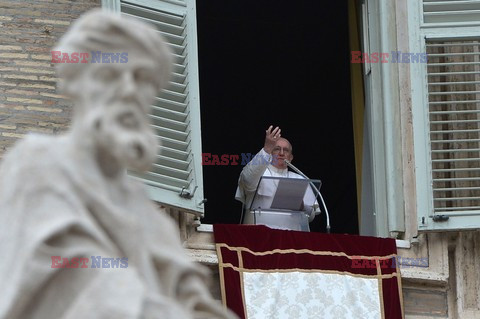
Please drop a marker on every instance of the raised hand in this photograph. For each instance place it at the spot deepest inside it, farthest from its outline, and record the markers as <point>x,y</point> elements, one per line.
<point>271,137</point>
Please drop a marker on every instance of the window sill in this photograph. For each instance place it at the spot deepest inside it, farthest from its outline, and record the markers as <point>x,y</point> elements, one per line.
<point>208,228</point>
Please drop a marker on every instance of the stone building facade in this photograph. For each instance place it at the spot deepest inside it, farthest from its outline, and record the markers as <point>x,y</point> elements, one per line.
<point>29,102</point>
<point>29,99</point>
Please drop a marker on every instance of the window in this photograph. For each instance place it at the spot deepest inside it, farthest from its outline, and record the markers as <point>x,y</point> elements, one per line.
<point>273,73</point>
<point>446,113</point>
<point>280,63</point>
<point>176,178</point>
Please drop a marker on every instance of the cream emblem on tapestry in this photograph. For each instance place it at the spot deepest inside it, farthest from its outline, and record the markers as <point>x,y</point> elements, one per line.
<point>296,295</point>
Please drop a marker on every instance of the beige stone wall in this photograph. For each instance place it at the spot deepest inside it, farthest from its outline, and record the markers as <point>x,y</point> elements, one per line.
<point>29,101</point>
<point>450,286</point>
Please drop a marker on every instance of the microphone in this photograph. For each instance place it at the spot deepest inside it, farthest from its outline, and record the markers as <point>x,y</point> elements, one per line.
<point>316,190</point>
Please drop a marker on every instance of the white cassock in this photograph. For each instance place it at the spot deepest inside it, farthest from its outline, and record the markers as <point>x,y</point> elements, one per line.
<point>54,201</point>
<point>249,180</point>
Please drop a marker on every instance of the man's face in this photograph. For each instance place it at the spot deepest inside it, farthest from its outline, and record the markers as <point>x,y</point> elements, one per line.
<point>116,99</point>
<point>281,152</point>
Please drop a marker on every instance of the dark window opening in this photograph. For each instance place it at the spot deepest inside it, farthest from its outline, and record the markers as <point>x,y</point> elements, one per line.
<point>280,63</point>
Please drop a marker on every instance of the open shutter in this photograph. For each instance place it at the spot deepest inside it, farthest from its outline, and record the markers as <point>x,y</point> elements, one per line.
<point>451,11</point>
<point>176,178</point>
<point>454,111</point>
<point>447,116</point>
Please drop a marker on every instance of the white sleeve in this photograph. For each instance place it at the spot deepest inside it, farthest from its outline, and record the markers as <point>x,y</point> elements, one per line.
<point>253,171</point>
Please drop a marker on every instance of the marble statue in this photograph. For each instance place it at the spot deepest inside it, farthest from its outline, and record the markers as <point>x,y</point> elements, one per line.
<point>78,237</point>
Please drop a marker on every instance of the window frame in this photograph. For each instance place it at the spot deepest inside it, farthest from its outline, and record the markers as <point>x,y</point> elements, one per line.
<point>419,34</point>
<point>382,123</point>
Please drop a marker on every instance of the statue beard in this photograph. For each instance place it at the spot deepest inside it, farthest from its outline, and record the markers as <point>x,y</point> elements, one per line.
<point>134,150</point>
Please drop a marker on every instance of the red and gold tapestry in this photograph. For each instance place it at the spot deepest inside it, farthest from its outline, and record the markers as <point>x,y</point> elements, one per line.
<point>269,273</point>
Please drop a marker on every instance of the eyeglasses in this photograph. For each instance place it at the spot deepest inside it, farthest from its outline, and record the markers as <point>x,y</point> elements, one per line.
<point>285,150</point>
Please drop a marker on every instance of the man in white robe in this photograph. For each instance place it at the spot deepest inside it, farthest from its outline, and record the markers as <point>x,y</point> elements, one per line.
<point>270,162</point>
<point>78,237</point>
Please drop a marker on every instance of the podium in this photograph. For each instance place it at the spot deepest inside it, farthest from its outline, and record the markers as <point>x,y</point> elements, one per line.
<point>285,203</point>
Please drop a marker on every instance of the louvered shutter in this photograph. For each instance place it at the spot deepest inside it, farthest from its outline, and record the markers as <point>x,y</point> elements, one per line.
<point>454,112</point>
<point>176,178</point>
<point>447,117</point>
<point>451,11</point>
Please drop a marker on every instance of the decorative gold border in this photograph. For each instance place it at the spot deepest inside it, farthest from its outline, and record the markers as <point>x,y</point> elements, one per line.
<point>242,288</point>
<point>380,289</point>
<point>302,251</point>
<point>221,276</point>
<point>324,271</point>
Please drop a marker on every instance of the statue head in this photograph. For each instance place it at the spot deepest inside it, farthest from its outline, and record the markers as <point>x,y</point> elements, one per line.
<point>114,86</point>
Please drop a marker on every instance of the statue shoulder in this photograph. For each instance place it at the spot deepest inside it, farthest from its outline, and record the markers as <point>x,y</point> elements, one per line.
<point>33,153</point>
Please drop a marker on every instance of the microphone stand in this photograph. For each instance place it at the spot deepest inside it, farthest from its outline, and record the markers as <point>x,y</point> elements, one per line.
<point>316,190</point>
